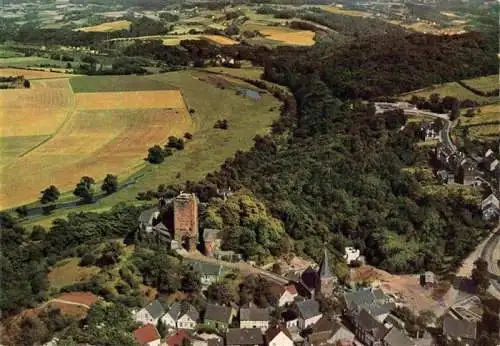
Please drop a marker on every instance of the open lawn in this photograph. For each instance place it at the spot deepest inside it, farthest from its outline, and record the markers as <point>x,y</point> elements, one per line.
<point>107,27</point>
<point>68,272</point>
<point>458,91</point>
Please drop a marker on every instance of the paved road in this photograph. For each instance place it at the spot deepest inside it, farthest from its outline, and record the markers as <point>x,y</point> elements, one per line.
<point>491,254</point>
<point>240,266</point>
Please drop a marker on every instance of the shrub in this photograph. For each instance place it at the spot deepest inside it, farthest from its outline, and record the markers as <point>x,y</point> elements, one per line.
<point>87,260</point>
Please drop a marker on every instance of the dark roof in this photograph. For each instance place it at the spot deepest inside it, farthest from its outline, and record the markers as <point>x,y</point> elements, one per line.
<point>289,315</point>
<point>325,325</point>
<point>308,308</point>
<point>177,338</point>
<point>459,328</point>
<point>368,323</point>
<point>254,314</point>
<point>146,334</point>
<point>160,227</point>
<point>218,313</point>
<point>188,309</point>
<point>324,267</point>
<point>174,310</point>
<point>215,342</point>
<point>244,336</point>
<point>155,309</point>
<point>204,268</point>
<point>310,278</point>
<point>358,298</point>
<point>395,337</point>
<point>377,310</point>
<point>379,294</point>
<point>272,332</point>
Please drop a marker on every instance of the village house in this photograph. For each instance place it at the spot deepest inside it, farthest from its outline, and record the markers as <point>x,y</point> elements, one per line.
<point>396,337</point>
<point>329,332</point>
<point>462,331</point>
<point>254,318</point>
<point>178,338</point>
<point>147,336</point>
<point>490,208</point>
<point>368,330</point>
<point>283,295</point>
<point>309,313</point>
<point>181,316</point>
<point>290,318</point>
<point>150,314</point>
<point>429,131</point>
<point>466,174</point>
<point>372,300</point>
<point>244,337</point>
<point>351,254</point>
<point>218,317</point>
<point>209,272</point>
<point>278,336</point>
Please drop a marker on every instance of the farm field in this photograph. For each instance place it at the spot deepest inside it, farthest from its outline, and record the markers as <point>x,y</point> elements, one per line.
<point>209,147</point>
<point>337,10</point>
<point>485,84</point>
<point>107,27</point>
<point>96,133</point>
<point>281,34</point>
<point>455,89</point>
<point>29,61</point>
<point>30,74</point>
<point>485,125</point>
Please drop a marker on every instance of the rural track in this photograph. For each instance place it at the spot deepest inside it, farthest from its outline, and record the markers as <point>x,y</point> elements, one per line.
<point>240,266</point>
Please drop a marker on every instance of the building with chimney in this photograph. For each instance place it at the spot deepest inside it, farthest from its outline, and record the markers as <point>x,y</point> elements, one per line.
<point>186,220</point>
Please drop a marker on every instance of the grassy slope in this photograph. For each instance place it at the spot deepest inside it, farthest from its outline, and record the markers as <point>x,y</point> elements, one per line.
<point>208,148</point>
<point>116,84</point>
<point>455,89</point>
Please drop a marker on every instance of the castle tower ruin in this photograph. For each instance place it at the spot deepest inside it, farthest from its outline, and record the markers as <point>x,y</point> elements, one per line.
<point>186,220</point>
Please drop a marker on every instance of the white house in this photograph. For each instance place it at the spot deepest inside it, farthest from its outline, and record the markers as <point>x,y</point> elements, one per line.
<point>290,318</point>
<point>181,316</point>
<point>150,314</point>
<point>278,336</point>
<point>490,207</point>
<point>309,313</point>
<point>147,336</point>
<point>351,254</point>
<point>254,318</point>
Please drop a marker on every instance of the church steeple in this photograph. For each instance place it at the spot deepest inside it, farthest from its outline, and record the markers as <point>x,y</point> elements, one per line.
<point>324,267</point>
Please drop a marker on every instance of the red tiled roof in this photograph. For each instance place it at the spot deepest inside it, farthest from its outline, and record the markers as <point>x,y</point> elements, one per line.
<point>146,334</point>
<point>176,339</point>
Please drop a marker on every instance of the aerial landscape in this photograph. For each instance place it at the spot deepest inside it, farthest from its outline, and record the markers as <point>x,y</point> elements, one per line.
<point>238,172</point>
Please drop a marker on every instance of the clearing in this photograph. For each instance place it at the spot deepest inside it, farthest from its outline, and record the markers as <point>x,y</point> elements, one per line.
<point>281,34</point>
<point>68,272</point>
<point>458,91</point>
<point>107,27</point>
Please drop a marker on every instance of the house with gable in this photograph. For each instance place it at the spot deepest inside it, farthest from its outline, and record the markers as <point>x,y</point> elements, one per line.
<point>396,337</point>
<point>456,331</point>
<point>373,301</point>
<point>218,317</point>
<point>309,313</point>
<point>278,336</point>
<point>283,295</point>
<point>178,339</point>
<point>254,318</point>
<point>368,330</point>
<point>209,272</point>
<point>490,208</point>
<point>150,314</point>
<point>244,337</point>
<point>181,316</point>
<point>147,336</point>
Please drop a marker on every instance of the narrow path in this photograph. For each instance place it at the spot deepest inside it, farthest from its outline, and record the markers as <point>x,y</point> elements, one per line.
<point>240,266</point>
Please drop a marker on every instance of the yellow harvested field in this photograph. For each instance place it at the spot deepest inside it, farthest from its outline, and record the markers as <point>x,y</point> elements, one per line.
<point>93,134</point>
<point>130,99</point>
<point>28,74</point>
<point>338,10</point>
<point>36,111</point>
<point>488,114</point>
<point>105,27</point>
<point>296,37</point>
<point>220,39</point>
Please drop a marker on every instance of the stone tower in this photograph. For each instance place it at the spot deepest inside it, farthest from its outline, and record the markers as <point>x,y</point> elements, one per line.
<point>326,278</point>
<point>186,220</point>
